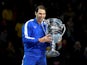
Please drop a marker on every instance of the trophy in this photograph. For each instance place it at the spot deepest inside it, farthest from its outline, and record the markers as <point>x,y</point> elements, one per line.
<point>56,28</point>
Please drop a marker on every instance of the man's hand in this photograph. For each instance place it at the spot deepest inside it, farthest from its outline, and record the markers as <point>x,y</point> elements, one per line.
<point>47,38</point>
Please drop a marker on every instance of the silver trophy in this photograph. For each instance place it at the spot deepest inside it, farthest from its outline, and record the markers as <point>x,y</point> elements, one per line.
<point>56,28</point>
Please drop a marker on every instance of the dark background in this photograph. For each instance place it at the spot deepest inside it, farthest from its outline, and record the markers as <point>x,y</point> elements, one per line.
<point>73,13</point>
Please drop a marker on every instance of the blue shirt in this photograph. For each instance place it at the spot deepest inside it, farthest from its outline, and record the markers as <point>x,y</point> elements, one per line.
<point>31,32</point>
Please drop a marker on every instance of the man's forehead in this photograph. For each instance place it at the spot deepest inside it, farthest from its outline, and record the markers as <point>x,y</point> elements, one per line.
<point>41,11</point>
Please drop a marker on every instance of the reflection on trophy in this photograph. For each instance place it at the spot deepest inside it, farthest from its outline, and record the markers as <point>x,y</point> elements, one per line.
<point>57,29</point>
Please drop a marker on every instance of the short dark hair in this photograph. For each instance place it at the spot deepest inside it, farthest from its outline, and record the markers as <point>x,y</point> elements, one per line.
<point>40,7</point>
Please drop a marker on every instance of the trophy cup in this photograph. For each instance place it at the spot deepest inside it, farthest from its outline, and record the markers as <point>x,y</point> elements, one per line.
<point>57,29</point>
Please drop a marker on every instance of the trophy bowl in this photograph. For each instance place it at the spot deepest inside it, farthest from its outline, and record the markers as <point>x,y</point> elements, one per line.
<point>57,29</point>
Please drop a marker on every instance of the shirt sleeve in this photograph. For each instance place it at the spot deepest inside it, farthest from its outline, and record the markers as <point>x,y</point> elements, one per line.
<point>26,34</point>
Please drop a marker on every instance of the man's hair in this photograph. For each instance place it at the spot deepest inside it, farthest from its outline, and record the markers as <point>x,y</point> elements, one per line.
<point>40,7</point>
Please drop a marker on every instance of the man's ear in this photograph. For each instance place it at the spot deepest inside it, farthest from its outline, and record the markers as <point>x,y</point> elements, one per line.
<point>35,13</point>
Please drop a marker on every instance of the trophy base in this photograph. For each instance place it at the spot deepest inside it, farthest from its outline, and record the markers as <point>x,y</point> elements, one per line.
<point>52,53</point>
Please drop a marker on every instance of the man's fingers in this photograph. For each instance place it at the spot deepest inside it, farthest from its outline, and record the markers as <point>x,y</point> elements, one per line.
<point>49,35</point>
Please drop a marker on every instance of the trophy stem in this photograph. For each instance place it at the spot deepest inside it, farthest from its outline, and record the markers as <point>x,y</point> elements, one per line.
<point>53,52</point>
<point>53,46</point>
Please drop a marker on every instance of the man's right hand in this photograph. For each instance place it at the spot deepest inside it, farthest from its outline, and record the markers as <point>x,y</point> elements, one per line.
<point>47,38</point>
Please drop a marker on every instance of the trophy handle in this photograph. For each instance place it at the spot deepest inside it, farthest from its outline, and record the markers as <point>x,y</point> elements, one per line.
<point>60,38</point>
<point>63,30</point>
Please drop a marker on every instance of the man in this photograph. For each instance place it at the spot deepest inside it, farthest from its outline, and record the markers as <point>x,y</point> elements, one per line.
<point>34,39</point>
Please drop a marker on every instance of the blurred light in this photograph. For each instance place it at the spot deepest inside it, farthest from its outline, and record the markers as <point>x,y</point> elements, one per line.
<point>3,3</point>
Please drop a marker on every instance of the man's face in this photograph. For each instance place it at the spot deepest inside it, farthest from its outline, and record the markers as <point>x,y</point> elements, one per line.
<point>40,15</point>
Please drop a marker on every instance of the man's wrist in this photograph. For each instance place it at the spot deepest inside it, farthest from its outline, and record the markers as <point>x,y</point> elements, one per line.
<point>41,39</point>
